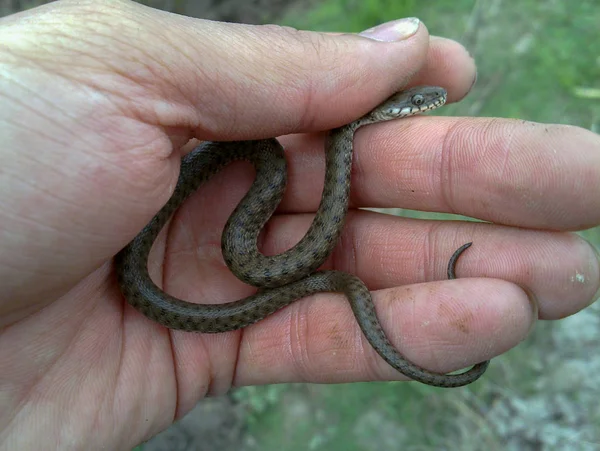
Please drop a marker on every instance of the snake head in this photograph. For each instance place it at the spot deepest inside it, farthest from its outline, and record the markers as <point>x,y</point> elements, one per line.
<point>409,102</point>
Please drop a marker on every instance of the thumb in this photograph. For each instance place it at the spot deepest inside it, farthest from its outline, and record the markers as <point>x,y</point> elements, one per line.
<point>221,80</point>
<point>255,82</point>
<point>100,94</point>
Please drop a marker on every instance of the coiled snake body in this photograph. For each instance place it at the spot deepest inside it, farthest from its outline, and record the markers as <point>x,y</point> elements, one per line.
<point>293,274</point>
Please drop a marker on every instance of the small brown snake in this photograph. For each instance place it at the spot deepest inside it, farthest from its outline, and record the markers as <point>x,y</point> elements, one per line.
<point>293,274</point>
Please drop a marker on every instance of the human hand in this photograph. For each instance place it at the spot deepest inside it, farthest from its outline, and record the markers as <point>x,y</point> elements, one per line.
<point>98,98</point>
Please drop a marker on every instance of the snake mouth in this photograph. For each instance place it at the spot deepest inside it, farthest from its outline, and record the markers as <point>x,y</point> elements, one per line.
<point>440,101</point>
<point>411,110</point>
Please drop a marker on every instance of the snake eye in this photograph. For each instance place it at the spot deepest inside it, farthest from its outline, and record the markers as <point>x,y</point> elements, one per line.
<point>417,99</point>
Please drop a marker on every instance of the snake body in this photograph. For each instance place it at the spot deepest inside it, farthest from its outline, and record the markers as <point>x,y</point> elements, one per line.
<point>293,274</point>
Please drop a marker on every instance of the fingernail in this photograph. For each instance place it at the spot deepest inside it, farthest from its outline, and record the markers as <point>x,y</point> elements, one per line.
<point>396,30</point>
<point>535,309</point>
<point>597,264</point>
<point>474,81</point>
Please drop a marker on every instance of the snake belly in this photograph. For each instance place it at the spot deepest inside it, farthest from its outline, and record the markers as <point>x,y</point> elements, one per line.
<point>288,276</point>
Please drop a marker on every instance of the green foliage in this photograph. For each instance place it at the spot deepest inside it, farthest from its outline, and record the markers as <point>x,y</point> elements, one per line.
<point>259,399</point>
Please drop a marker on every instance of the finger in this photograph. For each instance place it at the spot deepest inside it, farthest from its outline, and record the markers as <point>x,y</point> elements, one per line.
<point>442,327</point>
<point>560,271</point>
<point>228,81</point>
<point>499,170</point>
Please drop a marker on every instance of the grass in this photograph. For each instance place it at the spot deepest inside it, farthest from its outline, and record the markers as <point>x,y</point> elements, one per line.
<point>536,61</point>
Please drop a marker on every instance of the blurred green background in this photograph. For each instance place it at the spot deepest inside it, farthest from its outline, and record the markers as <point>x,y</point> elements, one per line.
<point>538,61</point>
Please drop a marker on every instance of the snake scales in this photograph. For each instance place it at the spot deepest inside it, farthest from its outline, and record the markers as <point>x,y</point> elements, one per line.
<point>293,274</point>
